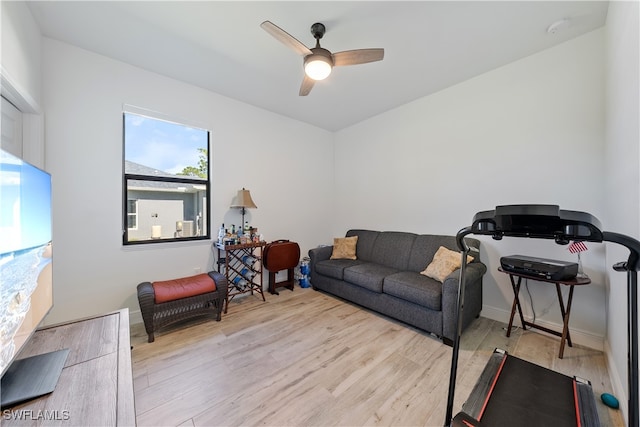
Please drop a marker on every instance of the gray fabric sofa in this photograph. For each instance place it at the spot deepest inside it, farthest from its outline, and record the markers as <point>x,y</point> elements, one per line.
<point>386,278</point>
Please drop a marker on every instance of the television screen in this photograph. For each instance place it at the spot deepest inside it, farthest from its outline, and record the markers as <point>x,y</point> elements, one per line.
<point>26,294</point>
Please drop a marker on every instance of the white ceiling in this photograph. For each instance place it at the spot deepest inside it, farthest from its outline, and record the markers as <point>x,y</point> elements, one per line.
<point>429,45</point>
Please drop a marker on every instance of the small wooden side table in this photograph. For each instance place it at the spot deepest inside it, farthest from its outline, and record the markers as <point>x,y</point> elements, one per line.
<point>281,255</point>
<point>564,335</point>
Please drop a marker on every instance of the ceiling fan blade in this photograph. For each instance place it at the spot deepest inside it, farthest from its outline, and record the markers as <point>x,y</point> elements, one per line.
<point>285,38</point>
<point>358,56</point>
<point>306,86</point>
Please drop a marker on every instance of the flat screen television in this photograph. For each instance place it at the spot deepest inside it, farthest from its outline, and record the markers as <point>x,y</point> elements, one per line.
<point>26,291</point>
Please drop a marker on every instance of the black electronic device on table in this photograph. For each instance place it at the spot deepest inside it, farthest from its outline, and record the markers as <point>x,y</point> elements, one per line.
<point>549,269</point>
<point>503,398</point>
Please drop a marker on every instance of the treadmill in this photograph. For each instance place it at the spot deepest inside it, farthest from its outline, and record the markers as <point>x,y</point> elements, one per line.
<point>512,391</point>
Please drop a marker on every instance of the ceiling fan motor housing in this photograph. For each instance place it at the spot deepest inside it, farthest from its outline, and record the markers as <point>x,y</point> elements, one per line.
<point>319,52</point>
<point>318,30</point>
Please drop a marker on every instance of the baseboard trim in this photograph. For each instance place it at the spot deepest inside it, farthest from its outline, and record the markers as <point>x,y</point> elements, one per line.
<point>135,316</point>
<point>578,336</point>
<point>616,381</point>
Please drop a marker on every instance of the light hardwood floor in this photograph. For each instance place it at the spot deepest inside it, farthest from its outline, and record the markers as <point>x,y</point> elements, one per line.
<point>305,358</point>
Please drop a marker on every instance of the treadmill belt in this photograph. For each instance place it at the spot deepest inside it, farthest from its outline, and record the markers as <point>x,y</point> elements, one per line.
<point>526,395</point>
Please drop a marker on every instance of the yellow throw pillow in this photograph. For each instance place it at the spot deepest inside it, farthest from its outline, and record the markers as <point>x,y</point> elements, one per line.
<point>344,247</point>
<point>445,261</point>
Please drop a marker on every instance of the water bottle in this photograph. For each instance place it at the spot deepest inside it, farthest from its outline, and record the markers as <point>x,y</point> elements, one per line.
<point>304,272</point>
<point>248,260</point>
<point>304,266</point>
<point>239,283</point>
<point>245,272</point>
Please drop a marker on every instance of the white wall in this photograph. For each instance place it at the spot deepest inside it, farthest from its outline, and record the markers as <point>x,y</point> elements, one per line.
<point>622,172</point>
<point>529,132</point>
<point>287,166</point>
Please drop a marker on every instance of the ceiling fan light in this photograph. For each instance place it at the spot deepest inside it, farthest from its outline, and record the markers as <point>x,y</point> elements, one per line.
<point>317,67</point>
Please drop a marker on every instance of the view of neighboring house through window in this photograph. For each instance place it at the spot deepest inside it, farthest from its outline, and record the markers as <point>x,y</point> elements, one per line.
<point>166,180</point>
<point>132,214</point>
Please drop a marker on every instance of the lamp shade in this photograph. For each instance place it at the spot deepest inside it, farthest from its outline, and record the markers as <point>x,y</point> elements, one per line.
<point>243,200</point>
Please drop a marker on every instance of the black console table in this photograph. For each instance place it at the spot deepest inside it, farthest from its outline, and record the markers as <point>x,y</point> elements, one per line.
<point>565,309</point>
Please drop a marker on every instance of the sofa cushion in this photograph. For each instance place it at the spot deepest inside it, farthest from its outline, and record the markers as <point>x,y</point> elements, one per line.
<point>426,245</point>
<point>344,248</point>
<point>393,248</point>
<point>445,262</point>
<point>366,241</point>
<point>368,275</point>
<point>414,287</point>
<point>424,248</point>
<point>334,268</point>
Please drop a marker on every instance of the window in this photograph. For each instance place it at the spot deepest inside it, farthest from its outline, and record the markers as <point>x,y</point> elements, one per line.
<point>166,180</point>
<point>132,214</point>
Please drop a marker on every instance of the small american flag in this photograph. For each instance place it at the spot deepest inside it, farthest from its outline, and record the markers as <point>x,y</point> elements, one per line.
<point>577,247</point>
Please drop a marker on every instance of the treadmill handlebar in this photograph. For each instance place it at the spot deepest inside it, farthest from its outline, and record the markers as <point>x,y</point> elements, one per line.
<point>547,222</point>
<point>538,221</point>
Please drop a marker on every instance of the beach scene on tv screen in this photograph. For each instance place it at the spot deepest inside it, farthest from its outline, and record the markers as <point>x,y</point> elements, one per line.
<point>25,252</point>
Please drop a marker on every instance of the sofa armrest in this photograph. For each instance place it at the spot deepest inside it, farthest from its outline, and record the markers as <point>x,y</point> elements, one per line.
<point>472,297</point>
<point>321,253</point>
<point>475,271</point>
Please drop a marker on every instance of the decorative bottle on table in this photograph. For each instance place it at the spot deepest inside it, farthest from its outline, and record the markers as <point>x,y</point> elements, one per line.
<point>577,247</point>
<point>221,234</point>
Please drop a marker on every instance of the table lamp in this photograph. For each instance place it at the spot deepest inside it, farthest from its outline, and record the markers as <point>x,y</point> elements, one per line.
<point>243,200</point>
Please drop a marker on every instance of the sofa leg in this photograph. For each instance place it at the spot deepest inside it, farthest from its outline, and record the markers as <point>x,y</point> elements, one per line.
<point>447,341</point>
<point>151,337</point>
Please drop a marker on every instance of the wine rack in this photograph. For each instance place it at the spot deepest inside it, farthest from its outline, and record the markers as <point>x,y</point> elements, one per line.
<point>242,266</point>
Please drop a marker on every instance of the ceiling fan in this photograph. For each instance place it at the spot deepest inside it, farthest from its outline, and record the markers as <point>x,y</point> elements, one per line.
<point>318,61</point>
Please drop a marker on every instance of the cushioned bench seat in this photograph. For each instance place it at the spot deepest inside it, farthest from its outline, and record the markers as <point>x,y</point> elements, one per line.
<point>171,290</point>
<point>165,302</point>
